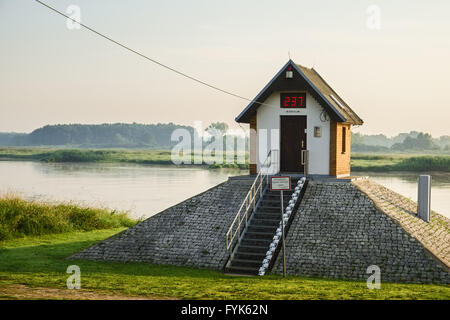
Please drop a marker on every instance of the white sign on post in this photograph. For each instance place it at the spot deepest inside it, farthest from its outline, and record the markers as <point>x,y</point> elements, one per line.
<point>280,183</point>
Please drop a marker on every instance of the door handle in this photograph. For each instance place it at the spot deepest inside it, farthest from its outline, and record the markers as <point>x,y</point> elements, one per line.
<point>303,156</point>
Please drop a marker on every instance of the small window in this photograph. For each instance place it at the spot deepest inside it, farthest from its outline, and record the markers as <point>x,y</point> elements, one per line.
<point>344,139</point>
<point>337,101</point>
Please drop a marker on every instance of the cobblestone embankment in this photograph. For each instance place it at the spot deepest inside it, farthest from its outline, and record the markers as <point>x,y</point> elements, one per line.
<point>191,233</point>
<point>338,232</point>
<point>435,235</point>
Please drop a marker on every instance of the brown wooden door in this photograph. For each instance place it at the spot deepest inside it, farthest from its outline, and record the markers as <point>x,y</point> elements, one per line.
<point>292,142</point>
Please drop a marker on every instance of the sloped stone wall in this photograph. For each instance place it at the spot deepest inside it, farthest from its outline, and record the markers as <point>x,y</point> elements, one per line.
<point>338,232</point>
<point>191,233</point>
<point>435,235</point>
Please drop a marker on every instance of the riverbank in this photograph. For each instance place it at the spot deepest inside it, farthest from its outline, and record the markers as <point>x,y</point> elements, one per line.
<point>136,156</point>
<point>359,162</point>
<point>399,162</point>
<point>40,262</point>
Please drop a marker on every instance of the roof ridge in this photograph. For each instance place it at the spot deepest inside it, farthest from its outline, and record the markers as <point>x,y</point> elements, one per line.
<point>299,65</point>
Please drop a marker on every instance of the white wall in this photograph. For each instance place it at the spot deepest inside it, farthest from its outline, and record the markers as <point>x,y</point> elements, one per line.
<point>268,118</point>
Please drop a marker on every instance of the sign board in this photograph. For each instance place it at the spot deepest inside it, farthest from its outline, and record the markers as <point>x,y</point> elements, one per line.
<point>281,183</point>
<point>293,100</point>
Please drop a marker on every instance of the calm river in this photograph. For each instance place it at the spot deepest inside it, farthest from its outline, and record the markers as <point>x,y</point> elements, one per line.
<point>146,190</point>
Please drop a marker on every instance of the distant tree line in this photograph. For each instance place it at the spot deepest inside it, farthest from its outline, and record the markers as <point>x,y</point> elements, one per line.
<point>118,135</point>
<point>13,139</point>
<point>412,141</point>
<point>134,135</point>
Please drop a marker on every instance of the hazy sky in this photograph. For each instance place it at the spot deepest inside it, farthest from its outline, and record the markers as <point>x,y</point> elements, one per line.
<point>395,78</point>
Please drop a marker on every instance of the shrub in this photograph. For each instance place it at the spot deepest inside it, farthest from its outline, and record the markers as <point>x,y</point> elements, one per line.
<point>76,156</point>
<point>425,163</point>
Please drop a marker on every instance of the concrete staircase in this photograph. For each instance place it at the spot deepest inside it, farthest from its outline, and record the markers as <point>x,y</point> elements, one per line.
<point>249,254</point>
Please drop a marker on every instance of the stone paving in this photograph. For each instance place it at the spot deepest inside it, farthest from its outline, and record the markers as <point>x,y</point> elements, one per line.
<point>435,235</point>
<point>191,233</point>
<point>338,232</point>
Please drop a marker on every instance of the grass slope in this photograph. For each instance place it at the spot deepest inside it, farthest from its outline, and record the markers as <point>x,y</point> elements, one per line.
<point>40,262</point>
<point>19,218</point>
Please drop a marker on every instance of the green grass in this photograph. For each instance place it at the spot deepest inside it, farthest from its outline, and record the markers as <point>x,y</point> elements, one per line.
<point>19,218</point>
<point>40,262</point>
<point>382,163</point>
<point>139,156</point>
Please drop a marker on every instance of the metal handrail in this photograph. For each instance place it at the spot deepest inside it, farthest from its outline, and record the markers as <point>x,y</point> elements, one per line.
<point>249,202</point>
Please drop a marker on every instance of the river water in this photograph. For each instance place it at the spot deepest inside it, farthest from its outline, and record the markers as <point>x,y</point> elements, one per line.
<point>405,183</point>
<point>145,190</point>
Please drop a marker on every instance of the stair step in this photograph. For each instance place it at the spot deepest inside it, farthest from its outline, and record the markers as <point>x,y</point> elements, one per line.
<point>272,205</point>
<point>274,208</point>
<point>268,222</point>
<point>257,225</point>
<point>259,235</point>
<point>270,211</point>
<point>274,223</point>
<point>277,193</point>
<point>268,215</point>
<point>252,249</point>
<point>257,242</point>
<point>256,233</point>
<point>243,270</point>
<point>251,254</point>
<point>274,201</point>
<point>246,263</point>
<point>243,256</point>
<point>262,228</point>
<point>262,213</point>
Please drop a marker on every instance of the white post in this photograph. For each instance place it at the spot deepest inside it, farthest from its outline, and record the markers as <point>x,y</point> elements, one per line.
<point>424,198</point>
<point>282,234</point>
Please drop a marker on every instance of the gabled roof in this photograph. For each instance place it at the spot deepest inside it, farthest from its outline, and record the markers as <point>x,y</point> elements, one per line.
<point>335,106</point>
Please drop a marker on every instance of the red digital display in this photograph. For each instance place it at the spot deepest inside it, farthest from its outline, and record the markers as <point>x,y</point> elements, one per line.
<point>293,100</point>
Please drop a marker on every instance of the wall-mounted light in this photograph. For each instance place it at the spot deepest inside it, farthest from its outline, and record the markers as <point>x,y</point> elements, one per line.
<point>317,132</point>
<point>289,73</point>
